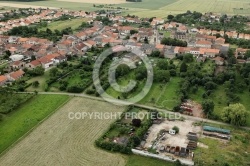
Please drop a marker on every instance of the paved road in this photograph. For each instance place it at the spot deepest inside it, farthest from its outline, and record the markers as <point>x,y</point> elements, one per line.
<point>120,102</point>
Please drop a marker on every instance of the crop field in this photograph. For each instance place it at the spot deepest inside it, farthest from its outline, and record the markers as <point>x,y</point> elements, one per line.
<point>63,141</point>
<point>17,123</point>
<point>147,8</point>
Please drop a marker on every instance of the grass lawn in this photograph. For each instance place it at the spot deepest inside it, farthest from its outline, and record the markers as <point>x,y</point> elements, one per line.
<point>163,95</point>
<point>19,122</point>
<point>170,97</point>
<point>60,25</point>
<point>166,33</point>
<point>42,82</point>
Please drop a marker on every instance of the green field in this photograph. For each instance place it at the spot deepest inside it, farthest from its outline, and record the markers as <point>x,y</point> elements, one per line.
<point>135,160</point>
<point>157,8</point>
<point>60,25</point>
<point>19,122</point>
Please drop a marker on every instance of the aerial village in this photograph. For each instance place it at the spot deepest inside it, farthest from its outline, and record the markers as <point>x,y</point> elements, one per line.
<point>170,139</point>
<point>33,52</point>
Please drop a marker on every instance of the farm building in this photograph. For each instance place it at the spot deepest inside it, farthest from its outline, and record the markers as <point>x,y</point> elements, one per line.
<point>215,129</point>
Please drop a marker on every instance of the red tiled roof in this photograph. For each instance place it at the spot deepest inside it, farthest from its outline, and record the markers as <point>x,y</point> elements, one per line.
<point>35,63</point>
<point>3,78</point>
<point>202,42</point>
<point>17,74</point>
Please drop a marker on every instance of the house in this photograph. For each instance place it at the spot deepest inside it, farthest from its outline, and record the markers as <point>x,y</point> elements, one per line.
<point>180,50</point>
<point>194,51</point>
<point>247,36</point>
<point>82,35</point>
<point>33,40</point>
<point>125,30</point>
<point>220,41</point>
<point>3,80</point>
<point>17,65</point>
<point>208,52</point>
<point>60,59</point>
<point>218,60</point>
<point>46,63</point>
<point>22,40</point>
<point>15,75</point>
<point>182,29</point>
<point>81,48</point>
<point>33,64</point>
<point>160,47</point>
<point>203,44</point>
<point>240,52</point>
<point>90,43</point>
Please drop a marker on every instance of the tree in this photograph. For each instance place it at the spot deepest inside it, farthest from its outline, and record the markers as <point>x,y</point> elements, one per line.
<point>7,54</point>
<point>133,31</point>
<point>247,54</point>
<point>188,58</point>
<point>176,129</point>
<point>208,107</point>
<point>122,70</point>
<point>33,57</point>
<point>1,117</point>
<point>235,114</point>
<point>53,72</point>
<point>163,64</point>
<point>170,17</point>
<point>178,163</point>
<point>183,67</point>
<point>134,141</point>
<point>162,76</point>
<point>155,53</point>
<point>35,84</point>
<point>136,122</point>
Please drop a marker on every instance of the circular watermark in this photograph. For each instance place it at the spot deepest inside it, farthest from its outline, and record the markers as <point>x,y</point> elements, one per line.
<point>112,75</point>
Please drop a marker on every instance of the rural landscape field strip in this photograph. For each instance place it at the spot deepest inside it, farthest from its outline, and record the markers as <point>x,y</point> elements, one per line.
<point>21,121</point>
<point>146,8</point>
<point>61,141</point>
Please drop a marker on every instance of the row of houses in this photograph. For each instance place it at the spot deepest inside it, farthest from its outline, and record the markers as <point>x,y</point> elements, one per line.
<point>44,14</point>
<point>13,76</point>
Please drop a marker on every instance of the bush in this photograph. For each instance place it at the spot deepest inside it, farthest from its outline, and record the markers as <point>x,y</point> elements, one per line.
<point>176,129</point>
<point>136,122</point>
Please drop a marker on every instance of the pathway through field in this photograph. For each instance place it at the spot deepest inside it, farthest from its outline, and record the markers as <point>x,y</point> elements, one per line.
<point>61,141</point>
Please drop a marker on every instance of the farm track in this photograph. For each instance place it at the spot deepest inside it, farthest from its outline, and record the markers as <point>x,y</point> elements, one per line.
<point>61,141</point>
<point>120,102</point>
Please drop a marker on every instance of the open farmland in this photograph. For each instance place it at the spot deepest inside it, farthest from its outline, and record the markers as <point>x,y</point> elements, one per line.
<point>18,122</point>
<point>97,1</point>
<point>147,8</point>
<point>61,141</point>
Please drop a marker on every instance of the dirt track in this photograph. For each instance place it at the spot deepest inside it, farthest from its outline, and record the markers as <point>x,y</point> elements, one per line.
<point>61,141</point>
